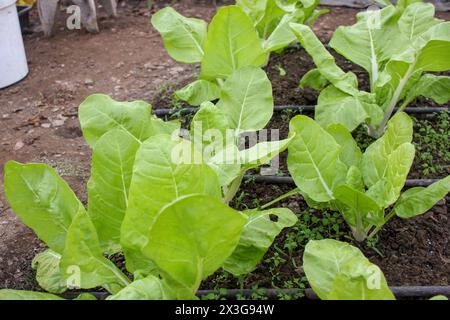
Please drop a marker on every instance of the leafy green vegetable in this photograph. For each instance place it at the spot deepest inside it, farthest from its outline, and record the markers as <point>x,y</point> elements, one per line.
<point>329,170</point>
<point>419,200</point>
<point>48,273</point>
<point>231,43</point>
<point>440,297</point>
<point>153,196</point>
<point>42,200</point>
<point>82,260</point>
<point>246,99</point>
<point>112,166</point>
<point>198,92</point>
<point>257,236</point>
<point>99,114</point>
<point>272,17</point>
<point>188,242</point>
<point>396,46</point>
<point>313,159</point>
<point>8,294</point>
<point>183,37</point>
<point>149,288</point>
<point>239,36</point>
<point>157,181</point>
<point>245,106</point>
<point>338,271</point>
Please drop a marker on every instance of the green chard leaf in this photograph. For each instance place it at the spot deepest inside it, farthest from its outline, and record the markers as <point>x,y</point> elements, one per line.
<point>338,271</point>
<point>313,159</point>
<point>263,152</point>
<point>314,79</point>
<point>350,153</point>
<point>99,114</point>
<point>192,237</point>
<point>245,91</point>
<point>149,288</point>
<point>258,235</point>
<point>417,201</point>
<point>198,92</point>
<point>42,200</point>
<point>83,264</point>
<point>386,163</point>
<point>232,43</point>
<point>9,294</point>
<point>159,177</point>
<point>430,86</point>
<point>368,43</point>
<point>359,210</point>
<point>375,158</point>
<point>48,273</point>
<point>325,62</point>
<point>183,37</point>
<point>112,167</point>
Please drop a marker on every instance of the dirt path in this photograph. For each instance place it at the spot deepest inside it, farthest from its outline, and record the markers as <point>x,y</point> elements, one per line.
<point>38,120</point>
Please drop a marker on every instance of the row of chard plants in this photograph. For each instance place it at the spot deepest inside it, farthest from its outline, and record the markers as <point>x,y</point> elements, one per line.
<point>160,196</point>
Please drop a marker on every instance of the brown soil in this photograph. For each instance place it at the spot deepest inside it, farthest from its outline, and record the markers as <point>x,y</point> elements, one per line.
<point>127,61</point>
<point>410,252</point>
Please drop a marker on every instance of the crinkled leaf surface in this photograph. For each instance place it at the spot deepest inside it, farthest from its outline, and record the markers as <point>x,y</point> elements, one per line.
<point>48,274</point>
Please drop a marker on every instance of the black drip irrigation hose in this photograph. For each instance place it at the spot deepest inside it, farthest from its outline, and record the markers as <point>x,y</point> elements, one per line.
<point>399,292</point>
<point>406,292</point>
<point>289,181</point>
<point>299,108</point>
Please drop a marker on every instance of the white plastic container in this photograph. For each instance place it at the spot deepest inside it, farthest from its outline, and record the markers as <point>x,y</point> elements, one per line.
<point>13,62</point>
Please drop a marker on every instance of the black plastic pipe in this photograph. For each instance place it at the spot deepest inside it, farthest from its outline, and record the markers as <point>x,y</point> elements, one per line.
<point>288,180</point>
<point>306,109</point>
<point>399,292</point>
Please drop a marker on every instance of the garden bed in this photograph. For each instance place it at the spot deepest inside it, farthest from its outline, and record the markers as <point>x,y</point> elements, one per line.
<point>413,252</point>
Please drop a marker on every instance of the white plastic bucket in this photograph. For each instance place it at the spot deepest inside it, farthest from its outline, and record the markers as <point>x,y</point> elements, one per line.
<point>13,62</point>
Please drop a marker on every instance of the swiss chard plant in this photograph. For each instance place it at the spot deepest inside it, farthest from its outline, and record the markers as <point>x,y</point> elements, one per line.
<point>271,19</point>
<point>245,106</point>
<point>150,199</point>
<point>399,46</point>
<point>238,36</point>
<point>338,271</point>
<point>330,171</point>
